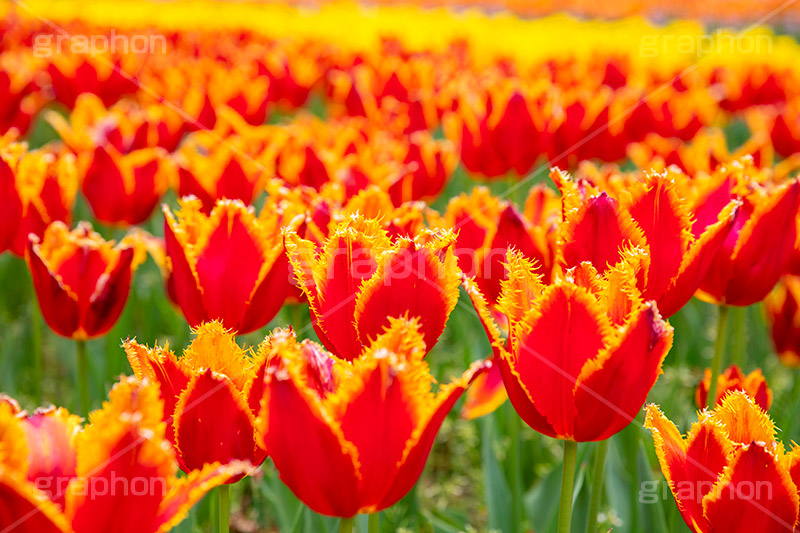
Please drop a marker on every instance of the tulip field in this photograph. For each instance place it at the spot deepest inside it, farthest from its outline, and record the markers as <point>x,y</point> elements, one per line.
<point>398,266</point>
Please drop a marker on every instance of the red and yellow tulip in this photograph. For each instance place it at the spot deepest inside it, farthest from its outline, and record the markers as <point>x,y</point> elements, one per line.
<point>37,188</point>
<point>82,281</point>
<point>228,266</point>
<point>361,278</point>
<point>582,353</point>
<point>729,473</point>
<point>116,474</point>
<point>653,214</point>
<point>352,437</point>
<point>733,379</point>
<point>124,189</point>
<point>758,249</point>
<point>211,396</point>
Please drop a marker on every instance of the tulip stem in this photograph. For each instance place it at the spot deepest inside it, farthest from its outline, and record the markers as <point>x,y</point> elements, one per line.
<point>374,523</point>
<point>597,484</point>
<point>36,347</point>
<point>567,486</point>
<point>83,377</point>
<point>516,479</point>
<point>719,348</point>
<point>346,525</point>
<point>224,501</point>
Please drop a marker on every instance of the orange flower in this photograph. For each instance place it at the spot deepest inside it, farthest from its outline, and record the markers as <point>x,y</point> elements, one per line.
<point>58,478</point>
<point>124,189</point>
<point>353,437</point>
<point>36,188</point>
<point>733,379</point>
<point>211,396</point>
<point>228,265</point>
<point>782,309</point>
<point>759,247</point>
<point>729,473</point>
<point>652,214</point>
<point>582,352</point>
<point>82,281</point>
<point>361,278</point>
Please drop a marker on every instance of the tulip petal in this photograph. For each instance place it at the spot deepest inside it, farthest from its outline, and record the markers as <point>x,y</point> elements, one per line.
<point>162,367</point>
<point>597,232</point>
<point>666,223</point>
<point>486,394</point>
<point>613,387</point>
<point>385,402</point>
<point>104,187</point>
<point>183,278</point>
<point>227,283</point>
<point>110,296</point>
<point>268,296</point>
<point>51,453</point>
<point>691,467</point>
<point>760,259</point>
<point>754,494</point>
<point>308,450</point>
<point>696,263</point>
<point>189,490</point>
<point>419,446</point>
<point>11,207</point>
<point>551,346</point>
<point>410,281</point>
<point>211,406</point>
<point>58,304</point>
<point>743,420</point>
<point>23,509</point>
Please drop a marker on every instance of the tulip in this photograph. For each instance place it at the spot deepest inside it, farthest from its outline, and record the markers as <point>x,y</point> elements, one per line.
<point>124,189</point>
<point>108,77</point>
<point>115,474</point>
<point>82,281</point>
<point>782,310</point>
<point>352,437</point>
<point>360,279</point>
<point>37,188</point>
<point>125,126</point>
<point>581,356</point>
<point>729,473</point>
<point>733,379</point>
<point>20,97</point>
<point>218,173</point>
<point>653,214</point>
<point>211,396</point>
<point>228,265</point>
<point>758,249</point>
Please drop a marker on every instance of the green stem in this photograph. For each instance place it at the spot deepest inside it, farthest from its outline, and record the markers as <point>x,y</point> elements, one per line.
<point>224,501</point>
<point>346,525</point>
<point>83,377</point>
<point>567,486</point>
<point>374,523</point>
<point>719,348</point>
<point>36,347</point>
<point>597,484</point>
<point>516,472</point>
<point>739,342</point>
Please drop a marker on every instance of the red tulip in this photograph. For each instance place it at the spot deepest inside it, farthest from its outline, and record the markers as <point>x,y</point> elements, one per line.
<point>82,281</point>
<point>228,265</point>
<point>582,352</point>
<point>360,279</point>
<point>211,397</point>
<point>352,437</point>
